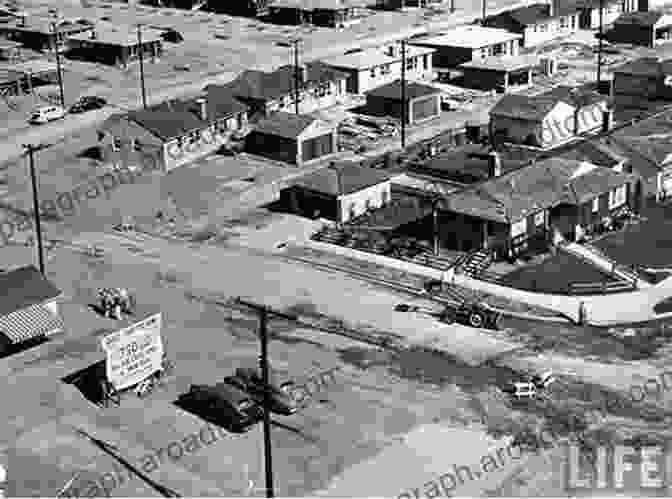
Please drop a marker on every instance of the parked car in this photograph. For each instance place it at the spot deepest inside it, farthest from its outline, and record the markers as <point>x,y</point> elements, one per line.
<point>250,381</point>
<point>228,402</point>
<point>88,103</point>
<point>521,390</point>
<point>46,114</point>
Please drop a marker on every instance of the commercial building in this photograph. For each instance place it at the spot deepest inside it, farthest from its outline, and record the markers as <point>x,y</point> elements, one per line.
<point>371,68</point>
<point>470,43</point>
<point>294,139</point>
<point>647,78</point>
<point>174,133</point>
<point>539,22</point>
<point>649,28</point>
<point>341,193</point>
<point>115,47</point>
<point>38,34</point>
<point>326,13</point>
<point>29,309</point>
<point>422,102</point>
<point>589,14</point>
<point>549,119</point>
<point>320,86</point>
<point>499,73</point>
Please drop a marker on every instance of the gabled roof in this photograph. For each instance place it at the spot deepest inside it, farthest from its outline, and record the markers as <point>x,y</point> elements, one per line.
<point>650,137</point>
<point>648,18</point>
<point>287,125</point>
<point>175,118</point>
<point>24,287</point>
<point>530,15</point>
<point>353,178</point>
<point>523,192</point>
<point>393,90</point>
<point>533,108</point>
<point>253,84</point>
<point>575,96</point>
<point>646,66</point>
<point>594,152</point>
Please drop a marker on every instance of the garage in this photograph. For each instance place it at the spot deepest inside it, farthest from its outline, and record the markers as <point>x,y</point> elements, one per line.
<point>292,138</point>
<point>421,102</point>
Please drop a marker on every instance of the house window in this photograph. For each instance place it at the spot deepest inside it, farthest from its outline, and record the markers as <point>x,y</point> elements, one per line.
<point>573,22</point>
<point>596,205</point>
<point>384,197</point>
<point>539,218</point>
<point>137,146</point>
<point>543,28</point>
<point>498,49</point>
<point>484,53</point>
<point>563,22</point>
<point>372,73</point>
<point>425,62</point>
<point>617,197</point>
<point>385,69</point>
<point>411,63</point>
<point>116,144</point>
<point>519,228</point>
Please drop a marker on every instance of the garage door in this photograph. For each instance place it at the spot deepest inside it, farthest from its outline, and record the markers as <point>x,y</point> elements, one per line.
<point>425,108</point>
<point>317,147</point>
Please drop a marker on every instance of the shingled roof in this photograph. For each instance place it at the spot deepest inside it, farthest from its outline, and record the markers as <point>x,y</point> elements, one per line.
<point>529,15</point>
<point>353,178</point>
<point>24,287</point>
<point>575,96</point>
<point>520,193</point>
<point>393,90</point>
<point>648,18</point>
<point>254,84</point>
<point>646,66</point>
<point>287,125</point>
<point>524,107</point>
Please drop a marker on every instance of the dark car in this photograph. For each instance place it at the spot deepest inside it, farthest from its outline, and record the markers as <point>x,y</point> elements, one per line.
<point>88,103</point>
<point>248,380</point>
<point>477,315</point>
<point>228,402</point>
<point>172,36</point>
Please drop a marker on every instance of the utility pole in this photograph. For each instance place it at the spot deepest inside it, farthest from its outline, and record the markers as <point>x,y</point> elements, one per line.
<point>403,94</point>
<point>296,75</point>
<point>599,47</point>
<point>58,65</point>
<point>36,205</point>
<point>263,364</point>
<point>452,6</point>
<point>142,68</point>
<point>483,20</point>
<point>339,182</point>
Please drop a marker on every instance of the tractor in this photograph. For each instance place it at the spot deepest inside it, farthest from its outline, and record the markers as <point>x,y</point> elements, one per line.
<point>474,314</point>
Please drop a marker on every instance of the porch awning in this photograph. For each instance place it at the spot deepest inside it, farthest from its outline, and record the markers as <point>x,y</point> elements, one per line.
<point>30,322</point>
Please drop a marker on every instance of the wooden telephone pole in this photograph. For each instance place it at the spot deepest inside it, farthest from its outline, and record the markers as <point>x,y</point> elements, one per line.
<point>264,312</point>
<point>599,47</point>
<point>297,77</point>
<point>142,68</point>
<point>403,94</point>
<point>36,205</point>
<point>58,65</point>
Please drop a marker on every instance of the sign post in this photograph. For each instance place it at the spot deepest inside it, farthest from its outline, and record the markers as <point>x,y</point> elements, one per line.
<point>133,353</point>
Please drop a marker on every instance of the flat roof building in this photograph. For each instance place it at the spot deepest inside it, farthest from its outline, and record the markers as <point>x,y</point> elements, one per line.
<point>114,47</point>
<point>38,34</point>
<point>499,73</point>
<point>422,102</point>
<point>466,43</point>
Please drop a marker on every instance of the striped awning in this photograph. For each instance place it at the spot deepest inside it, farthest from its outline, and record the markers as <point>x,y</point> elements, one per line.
<point>30,322</point>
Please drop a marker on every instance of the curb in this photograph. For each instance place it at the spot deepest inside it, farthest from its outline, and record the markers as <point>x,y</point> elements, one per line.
<point>532,317</point>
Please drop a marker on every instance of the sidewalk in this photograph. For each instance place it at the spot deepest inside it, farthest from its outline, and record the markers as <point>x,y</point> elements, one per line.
<point>603,263</point>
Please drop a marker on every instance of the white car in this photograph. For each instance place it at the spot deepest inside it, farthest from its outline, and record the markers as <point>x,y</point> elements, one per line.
<point>46,114</point>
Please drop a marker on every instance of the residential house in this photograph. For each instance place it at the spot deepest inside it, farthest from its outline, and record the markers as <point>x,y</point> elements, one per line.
<point>647,28</point>
<point>291,138</point>
<point>499,73</point>
<point>515,211</point>
<point>320,86</point>
<point>589,14</point>
<point>326,13</point>
<point>246,8</point>
<point>20,78</point>
<point>421,102</point>
<point>469,43</point>
<point>173,133</point>
<point>539,22</point>
<point>340,193</point>
<point>644,79</point>
<point>549,119</point>
<point>29,309</point>
<point>371,68</point>
<point>648,147</point>
<point>39,34</point>
<point>115,47</point>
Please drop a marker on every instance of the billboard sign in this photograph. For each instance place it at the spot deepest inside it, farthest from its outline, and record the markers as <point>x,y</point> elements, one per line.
<point>133,353</point>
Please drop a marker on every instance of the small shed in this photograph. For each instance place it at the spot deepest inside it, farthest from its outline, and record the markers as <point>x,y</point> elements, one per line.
<point>499,72</point>
<point>293,138</point>
<point>339,192</point>
<point>421,102</point>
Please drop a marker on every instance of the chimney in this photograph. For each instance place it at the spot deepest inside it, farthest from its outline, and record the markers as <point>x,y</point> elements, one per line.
<point>392,50</point>
<point>202,108</point>
<point>494,164</point>
<point>607,120</point>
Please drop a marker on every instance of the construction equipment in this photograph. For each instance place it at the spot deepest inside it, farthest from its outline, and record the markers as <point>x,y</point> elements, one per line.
<point>115,301</point>
<point>474,314</point>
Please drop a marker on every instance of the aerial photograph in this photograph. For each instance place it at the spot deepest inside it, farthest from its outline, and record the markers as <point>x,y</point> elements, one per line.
<point>324,248</point>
